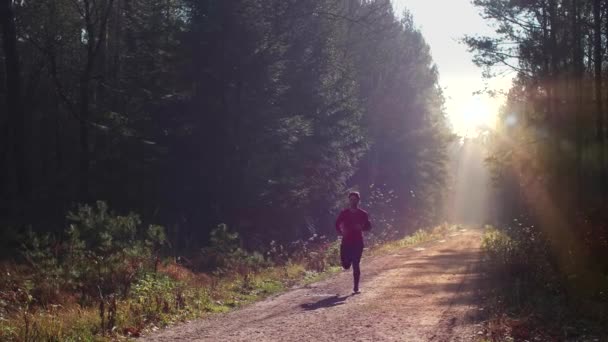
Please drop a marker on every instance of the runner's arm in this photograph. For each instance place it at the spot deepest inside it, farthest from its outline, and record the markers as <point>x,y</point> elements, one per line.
<point>339,223</point>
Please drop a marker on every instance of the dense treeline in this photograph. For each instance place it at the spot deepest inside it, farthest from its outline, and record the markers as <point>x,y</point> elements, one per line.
<point>257,114</point>
<point>549,151</point>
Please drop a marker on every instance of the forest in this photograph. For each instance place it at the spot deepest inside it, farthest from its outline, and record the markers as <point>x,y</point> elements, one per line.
<point>548,153</point>
<point>144,140</point>
<point>547,157</point>
<point>161,160</point>
<point>257,114</point>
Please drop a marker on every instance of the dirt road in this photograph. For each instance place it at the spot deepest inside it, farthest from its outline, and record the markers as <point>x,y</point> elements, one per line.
<point>425,293</point>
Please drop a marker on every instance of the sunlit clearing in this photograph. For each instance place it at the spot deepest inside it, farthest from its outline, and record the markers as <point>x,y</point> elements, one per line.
<point>469,200</point>
<point>473,114</point>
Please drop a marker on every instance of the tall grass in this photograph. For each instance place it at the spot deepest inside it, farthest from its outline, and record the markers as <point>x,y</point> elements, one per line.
<point>419,236</point>
<point>171,295</point>
<point>167,292</point>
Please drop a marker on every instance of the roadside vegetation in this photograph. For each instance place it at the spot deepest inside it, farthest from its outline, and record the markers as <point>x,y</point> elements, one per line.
<point>104,277</point>
<point>528,298</point>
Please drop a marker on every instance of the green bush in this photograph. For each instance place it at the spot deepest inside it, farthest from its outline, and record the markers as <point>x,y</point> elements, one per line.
<point>155,294</point>
<point>46,278</point>
<point>104,250</point>
<point>518,250</point>
<point>502,251</point>
<point>317,253</point>
<point>332,254</point>
<point>99,258</point>
<point>224,255</point>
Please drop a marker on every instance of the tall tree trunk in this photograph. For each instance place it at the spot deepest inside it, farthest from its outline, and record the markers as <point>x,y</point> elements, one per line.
<point>598,56</point>
<point>84,137</point>
<point>578,91</point>
<point>554,108</point>
<point>17,120</point>
<point>94,44</point>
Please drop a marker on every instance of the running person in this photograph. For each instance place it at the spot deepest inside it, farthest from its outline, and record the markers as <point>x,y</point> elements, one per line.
<point>351,224</point>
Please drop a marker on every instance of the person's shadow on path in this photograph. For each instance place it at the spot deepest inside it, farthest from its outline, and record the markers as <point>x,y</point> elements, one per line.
<point>325,303</point>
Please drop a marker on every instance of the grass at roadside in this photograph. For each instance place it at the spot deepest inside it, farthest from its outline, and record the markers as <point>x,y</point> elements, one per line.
<point>170,295</point>
<point>419,236</point>
<point>174,294</point>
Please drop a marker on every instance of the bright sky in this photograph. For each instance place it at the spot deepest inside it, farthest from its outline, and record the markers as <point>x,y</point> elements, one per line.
<point>443,23</point>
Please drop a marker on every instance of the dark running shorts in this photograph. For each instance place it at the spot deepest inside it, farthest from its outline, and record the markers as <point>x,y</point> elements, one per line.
<point>350,254</point>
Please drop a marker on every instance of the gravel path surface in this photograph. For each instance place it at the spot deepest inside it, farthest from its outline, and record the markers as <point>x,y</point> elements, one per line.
<point>425,293</point>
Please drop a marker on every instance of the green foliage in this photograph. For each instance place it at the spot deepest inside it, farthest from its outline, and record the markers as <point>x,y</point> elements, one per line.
<point>513,264</point>
<point>499,246</point>
<point>153,295</point>
<point>518,252</point>
<point>260,113</point>
<point>95,230</point>
<point>225,256</point>
<point>522,279</point>
<point>41,253</point>
<point>332,254</point>
<point>222,241</point>
<point>317,253</point>
<point>406,163</point>
<point>419,236</point>
<point>548,154</point>
<point>290,101</point>
<point>155,236</point>
<point>170,295</point>
<point>104,252</point>
<point>505,252</point>
<point>100,257</point>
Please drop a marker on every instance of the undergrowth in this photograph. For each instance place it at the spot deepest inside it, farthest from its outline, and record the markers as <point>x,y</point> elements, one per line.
<point>104,278</point>
<point>529,299</point>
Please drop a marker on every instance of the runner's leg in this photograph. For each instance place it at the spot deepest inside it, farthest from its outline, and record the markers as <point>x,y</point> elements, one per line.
<point>357,251</point>
<point>345,256</point>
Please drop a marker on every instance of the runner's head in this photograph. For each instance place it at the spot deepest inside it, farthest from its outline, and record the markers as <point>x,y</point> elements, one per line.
<point>353,199</point>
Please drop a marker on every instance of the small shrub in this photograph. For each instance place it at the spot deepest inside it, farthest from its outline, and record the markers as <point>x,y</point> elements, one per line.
<point>176,272</point>
<point>155,294</point>
<point>99,259</point>
<point>46,274</point>
<point>223,247</point>
<point>526,279</point>
<point>502,251</point>
<point>518,251</point>
<point>225,256</point>
<point>104,252</point>
<point>316,261</point>
<point>277,254</point>
<point>332,254</point>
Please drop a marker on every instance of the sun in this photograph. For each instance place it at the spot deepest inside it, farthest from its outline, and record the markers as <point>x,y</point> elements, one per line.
<point>473,114</point>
